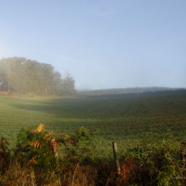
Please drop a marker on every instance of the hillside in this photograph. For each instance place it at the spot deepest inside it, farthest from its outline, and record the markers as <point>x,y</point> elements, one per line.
<point>135,90</point>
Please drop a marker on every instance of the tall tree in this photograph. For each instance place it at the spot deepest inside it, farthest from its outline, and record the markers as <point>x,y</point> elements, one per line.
<point>68,87</point>
<point>23,76</point>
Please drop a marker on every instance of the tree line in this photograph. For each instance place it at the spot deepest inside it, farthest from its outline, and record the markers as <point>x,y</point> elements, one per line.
<point>127,91</point>
<point>24,76</point>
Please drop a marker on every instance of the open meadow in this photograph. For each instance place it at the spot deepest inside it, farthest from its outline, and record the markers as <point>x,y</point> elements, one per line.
<point>119,118</point>
<point>148,154</point>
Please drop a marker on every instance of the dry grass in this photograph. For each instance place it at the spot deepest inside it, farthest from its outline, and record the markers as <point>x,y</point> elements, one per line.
<point>14,95</point>
<point>76,174</point>
<point>68,175</point>
<point>4,93</point>
<point>18,175</point>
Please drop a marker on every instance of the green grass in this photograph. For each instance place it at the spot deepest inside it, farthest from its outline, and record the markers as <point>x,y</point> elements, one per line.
<point>119,118</point>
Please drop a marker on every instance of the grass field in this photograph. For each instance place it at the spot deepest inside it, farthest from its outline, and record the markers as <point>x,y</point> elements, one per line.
<point>119,118</point>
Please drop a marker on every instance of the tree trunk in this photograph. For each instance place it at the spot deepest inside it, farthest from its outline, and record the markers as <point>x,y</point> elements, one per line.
<point>8,86</point>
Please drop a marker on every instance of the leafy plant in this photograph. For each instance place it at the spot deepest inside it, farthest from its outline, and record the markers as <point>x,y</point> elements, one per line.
<point>81,145</point>
<point>159,155</point>
<point>4,154</point>
<point>35,147</point>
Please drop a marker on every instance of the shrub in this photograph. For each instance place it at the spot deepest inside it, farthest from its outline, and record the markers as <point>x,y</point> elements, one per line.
<point>4,155</point>
<point>35,148</point>
<point>160,156</point>
<point>80,147</point>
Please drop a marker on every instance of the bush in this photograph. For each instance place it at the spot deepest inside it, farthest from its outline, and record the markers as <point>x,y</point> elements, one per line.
<point>159,155</point>
<point>35,148</point>
<point>81,146</point>
<point>155,161</point>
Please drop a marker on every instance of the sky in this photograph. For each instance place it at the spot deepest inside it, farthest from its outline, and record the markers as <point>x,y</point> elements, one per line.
<point>101,43</point>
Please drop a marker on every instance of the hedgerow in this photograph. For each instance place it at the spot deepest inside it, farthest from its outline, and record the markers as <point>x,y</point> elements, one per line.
<point>39,159</point>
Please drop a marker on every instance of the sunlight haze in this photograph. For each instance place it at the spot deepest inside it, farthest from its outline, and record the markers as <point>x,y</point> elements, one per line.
<point>102,43</point>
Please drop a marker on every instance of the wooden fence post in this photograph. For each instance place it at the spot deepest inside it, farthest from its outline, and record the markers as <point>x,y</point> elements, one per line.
<point>54,145</point>
<point>115,151</point>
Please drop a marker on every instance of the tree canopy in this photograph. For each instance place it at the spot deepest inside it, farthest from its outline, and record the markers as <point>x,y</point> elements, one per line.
<point>25,76</point>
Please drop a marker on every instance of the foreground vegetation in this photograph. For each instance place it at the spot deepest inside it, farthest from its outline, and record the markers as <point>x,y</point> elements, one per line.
<point>38,160</point>
<point>150,158</point>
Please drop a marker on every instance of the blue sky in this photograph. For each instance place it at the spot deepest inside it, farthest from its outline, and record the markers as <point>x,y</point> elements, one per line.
<point>102,43</point>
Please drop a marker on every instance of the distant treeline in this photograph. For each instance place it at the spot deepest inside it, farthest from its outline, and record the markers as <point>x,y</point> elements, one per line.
<point>137,90</point>
<point>24,76</point>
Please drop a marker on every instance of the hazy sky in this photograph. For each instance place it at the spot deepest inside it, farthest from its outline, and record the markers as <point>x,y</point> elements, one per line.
<point>102,43</point>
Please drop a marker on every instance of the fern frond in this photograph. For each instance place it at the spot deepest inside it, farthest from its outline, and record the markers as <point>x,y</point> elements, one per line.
<point>35,144</point>
<point>41,127</point>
